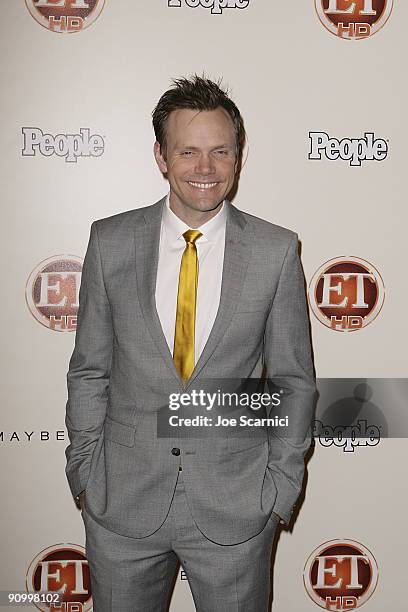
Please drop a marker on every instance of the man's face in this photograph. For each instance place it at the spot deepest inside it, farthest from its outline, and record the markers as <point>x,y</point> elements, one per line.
<point>200,159</point>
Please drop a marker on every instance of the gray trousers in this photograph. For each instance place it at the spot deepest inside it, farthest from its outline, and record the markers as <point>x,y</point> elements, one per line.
<point>136,574</point>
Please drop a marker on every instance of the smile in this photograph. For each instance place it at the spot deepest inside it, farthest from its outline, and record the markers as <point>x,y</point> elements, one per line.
<point>202,185</point>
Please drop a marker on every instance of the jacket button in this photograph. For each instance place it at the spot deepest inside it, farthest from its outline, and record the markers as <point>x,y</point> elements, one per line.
<point>175,451</point>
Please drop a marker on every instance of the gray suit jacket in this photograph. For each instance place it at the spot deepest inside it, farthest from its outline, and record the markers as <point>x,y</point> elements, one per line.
<point>121,374</point>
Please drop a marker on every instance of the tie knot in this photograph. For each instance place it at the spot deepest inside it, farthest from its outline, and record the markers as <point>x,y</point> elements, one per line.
<point>190,236</point>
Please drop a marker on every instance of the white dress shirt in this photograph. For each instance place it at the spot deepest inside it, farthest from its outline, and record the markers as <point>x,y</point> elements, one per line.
<point>210,251</point>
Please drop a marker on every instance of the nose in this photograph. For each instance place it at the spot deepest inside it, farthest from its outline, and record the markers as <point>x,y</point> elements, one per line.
<point>205,164</point>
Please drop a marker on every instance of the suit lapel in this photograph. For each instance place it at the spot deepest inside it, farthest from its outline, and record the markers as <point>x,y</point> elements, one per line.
<point>147,240</point>
<point>236,258</point>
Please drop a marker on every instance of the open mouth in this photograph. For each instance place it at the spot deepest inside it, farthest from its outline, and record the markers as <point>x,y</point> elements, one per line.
<point>202,185</point>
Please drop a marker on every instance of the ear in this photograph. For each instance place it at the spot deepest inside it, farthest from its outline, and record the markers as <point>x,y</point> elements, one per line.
<point>159,157</point>
<point>238,163</point>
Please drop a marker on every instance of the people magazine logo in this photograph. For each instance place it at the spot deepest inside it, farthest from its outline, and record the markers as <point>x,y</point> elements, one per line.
<point>69,146</point>
<point>346,293</point>
<point>340,575</point>
<point>353,19</point>
<point>52,292</point>
<point>347,437</point>
<point>352,150</point>
<point>217,6</point>
<point>61,569</point>
<point>65,16</point>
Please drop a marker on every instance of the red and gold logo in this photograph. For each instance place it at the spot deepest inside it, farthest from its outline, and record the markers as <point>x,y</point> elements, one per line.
<point>62,569</point>
<point>340,575</point>
<point>353,19</point>
<point>346,293</point>
<point>65,16</point>
<point>52,292</point>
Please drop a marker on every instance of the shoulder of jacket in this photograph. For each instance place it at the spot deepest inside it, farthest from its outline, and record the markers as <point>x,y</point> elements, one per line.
<point>122,221</point>
<point>123,218</point>
<point>268,230</point>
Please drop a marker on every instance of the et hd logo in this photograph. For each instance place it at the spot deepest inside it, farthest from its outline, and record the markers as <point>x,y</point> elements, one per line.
<point>52,292</point>
<point>65,16</point>
<point>340,575</point>
<point>61,569</point>
<point>353,19</point>
<point>346,293</point>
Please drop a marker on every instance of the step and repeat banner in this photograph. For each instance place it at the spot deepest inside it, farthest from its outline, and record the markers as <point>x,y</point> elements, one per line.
<point>322,89</point>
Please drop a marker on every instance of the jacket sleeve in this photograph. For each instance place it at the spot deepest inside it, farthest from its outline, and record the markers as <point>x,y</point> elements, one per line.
<point>289,371</point>
<point>89,369</point>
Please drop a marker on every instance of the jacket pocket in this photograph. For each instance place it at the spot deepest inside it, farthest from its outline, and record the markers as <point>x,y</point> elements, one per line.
<point>253,305</point>
<point>242,441</point>
<point>119,432</point>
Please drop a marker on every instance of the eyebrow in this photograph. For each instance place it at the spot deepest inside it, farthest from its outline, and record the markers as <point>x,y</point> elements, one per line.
<point>221,146</point>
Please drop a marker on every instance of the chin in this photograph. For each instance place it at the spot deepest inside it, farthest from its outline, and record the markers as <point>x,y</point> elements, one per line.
<point>206,206</point>
<point>199,202</point>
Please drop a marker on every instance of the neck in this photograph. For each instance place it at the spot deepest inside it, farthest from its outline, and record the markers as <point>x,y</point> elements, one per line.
<point>193,218</point>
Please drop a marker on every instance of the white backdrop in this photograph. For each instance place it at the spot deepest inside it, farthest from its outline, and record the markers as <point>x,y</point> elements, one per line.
<point>289,75</point>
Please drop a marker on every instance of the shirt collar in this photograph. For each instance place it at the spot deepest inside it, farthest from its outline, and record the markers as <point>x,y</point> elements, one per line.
<point>174,227</point>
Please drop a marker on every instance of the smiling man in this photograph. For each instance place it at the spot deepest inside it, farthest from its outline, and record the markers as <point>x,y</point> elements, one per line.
<point>173,296</point>
<point>200,156</point>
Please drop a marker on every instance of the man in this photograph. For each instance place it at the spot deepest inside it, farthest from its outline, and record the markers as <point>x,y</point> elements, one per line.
<point>175,298</point>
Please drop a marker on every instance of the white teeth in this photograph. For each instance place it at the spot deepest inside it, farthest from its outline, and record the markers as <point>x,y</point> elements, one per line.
<point>202,185</point>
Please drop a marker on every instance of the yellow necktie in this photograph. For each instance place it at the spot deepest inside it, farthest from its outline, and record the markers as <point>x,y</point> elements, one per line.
<point>183,353</point>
